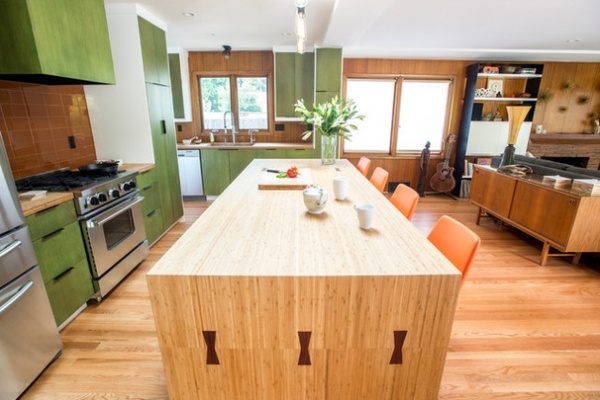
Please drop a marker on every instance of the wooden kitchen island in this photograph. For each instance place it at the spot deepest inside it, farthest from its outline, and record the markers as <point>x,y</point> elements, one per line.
<point>261,300</point>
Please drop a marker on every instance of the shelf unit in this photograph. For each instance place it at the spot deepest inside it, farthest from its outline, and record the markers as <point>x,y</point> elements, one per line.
<point>484,109</point>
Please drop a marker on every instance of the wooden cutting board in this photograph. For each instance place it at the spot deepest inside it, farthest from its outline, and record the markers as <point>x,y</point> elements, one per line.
<point>270,181</point>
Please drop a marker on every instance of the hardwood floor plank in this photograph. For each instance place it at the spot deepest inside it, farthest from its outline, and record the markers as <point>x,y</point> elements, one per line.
<point>521,330</point>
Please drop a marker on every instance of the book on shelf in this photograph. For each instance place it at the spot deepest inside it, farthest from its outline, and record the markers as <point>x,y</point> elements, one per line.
<point>590,187</point>
<point>483,161</point>
<point>557,181</point>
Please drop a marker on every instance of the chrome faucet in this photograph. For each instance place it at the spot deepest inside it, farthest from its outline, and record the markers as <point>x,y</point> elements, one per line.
<point>250,132</point>
<point>233,131</point>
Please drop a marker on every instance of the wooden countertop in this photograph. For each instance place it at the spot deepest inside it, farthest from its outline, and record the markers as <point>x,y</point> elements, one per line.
<point>139,167</point>
<point>253,232</point>
<point>50,199</point>
<point>255,146</point>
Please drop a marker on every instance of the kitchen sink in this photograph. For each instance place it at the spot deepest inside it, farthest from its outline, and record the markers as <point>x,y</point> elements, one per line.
<point>230,144</point>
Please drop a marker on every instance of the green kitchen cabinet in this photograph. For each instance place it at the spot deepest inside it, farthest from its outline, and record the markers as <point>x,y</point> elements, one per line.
<point>154,53</point>
<point>239,160</point>
<point>215,171</point>
<point>328,70</point>
<point>55,42</point>
<point>60,250</point>
<point>164,143</point>
<point>294,80</point>
<point>176,86</point>
<point>149,188</point>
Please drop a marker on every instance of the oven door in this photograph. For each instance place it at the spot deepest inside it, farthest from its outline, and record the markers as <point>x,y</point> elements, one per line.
<point>114,233</point>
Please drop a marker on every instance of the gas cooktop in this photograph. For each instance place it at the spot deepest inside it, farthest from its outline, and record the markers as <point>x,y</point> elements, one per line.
<point>90,191</point>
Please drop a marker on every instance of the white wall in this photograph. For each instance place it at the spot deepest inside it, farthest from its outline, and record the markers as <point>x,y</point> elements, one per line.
<point>119,113</point>
<point>491,137</point>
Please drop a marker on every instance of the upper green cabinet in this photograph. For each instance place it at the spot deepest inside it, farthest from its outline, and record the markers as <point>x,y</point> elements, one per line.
<point>329,70</point>
<point>176,86</point>
<point>55,42</point>
<point>294,80</point>
<point>154,53</point>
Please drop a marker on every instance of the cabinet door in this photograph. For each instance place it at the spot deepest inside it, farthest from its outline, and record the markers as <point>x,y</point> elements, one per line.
<point>329,70</point>
<point>215,171</point>
<point>492,191</point>
<point>176,86</point>
<point>51,219</point>
<point>294,80</point>
<point>154,53</point>
<point>239,160</point>
<point>165,152</point>
<point>56,40</point>
<point>545,211</point>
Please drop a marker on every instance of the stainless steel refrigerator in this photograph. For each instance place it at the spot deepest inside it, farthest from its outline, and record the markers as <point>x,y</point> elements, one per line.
<point>29,339</point>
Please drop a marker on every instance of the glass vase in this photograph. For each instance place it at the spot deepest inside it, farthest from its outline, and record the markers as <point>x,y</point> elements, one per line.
<point>328,149</point>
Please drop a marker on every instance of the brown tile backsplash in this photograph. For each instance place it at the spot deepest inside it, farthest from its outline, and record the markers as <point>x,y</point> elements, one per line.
<point>36,121</point>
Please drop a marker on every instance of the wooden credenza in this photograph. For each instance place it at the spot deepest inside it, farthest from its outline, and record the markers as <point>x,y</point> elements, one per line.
<point>560,218</point>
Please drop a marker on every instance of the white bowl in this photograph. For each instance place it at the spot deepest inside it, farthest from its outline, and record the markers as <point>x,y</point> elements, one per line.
<point>187,142</point>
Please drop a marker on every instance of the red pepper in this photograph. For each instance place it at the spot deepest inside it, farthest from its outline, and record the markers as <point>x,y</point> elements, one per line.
<point>292,172</point>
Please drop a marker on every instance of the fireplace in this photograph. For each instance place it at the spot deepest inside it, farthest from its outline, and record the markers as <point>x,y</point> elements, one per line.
<point>581,162</point>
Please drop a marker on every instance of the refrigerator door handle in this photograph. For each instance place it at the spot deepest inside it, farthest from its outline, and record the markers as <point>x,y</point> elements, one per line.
<point>22,290</point>
<point>9,248</point>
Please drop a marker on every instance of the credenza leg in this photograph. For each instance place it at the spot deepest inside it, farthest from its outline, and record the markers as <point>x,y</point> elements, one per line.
<point>576,258</point>
<point>545,251</point>
<point>479,211</point>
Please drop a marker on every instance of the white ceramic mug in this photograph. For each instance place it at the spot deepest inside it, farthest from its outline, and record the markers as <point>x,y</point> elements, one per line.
<point>366,214</point>
<point>315,199</point>
<point>340,187</point>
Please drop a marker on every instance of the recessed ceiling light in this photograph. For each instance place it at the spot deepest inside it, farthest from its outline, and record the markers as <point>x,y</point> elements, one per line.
<point>576,40</point>
<point>286,34</point>
<point>188,14</point>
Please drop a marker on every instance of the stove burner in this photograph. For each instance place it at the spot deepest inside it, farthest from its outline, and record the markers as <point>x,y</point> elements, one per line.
<point>60,181</point>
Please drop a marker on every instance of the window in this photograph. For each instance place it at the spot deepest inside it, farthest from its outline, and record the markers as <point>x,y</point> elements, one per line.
<point>250,107</point>
<point>420,116</point>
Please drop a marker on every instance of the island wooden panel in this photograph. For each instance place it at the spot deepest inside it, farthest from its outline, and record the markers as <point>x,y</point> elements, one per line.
<point>256,272</point>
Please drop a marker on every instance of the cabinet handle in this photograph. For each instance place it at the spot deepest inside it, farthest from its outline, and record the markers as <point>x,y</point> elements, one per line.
<point>572,202</point>
<point>47,209</point>
<point>48,236</point>
<point>399,337</point>
<point>304,338</point>
<point>151,213</point>
<point>63,273</point>
<point>163,126</point>
<point>210,337</point>
<point>148,186</point>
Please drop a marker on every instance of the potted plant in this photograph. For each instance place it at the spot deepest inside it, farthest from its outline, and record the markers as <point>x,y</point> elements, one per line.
<point>332,120</point>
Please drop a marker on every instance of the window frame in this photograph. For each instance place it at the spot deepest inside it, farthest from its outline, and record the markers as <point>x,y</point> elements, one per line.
<point>233,75</point>
<point>399,78</point>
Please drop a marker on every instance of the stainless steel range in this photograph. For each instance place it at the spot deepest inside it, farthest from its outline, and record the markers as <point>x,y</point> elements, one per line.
<point>110,217</point>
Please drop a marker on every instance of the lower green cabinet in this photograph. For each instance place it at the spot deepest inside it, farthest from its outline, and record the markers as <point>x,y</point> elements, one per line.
<point>60,250</point>
<point>69,290</point>
<point>151,206</point>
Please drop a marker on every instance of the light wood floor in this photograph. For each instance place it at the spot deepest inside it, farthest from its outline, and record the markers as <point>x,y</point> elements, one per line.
<point>522,331</point>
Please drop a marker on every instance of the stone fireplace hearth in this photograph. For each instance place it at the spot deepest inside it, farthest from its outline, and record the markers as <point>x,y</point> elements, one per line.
<point>570,147</point>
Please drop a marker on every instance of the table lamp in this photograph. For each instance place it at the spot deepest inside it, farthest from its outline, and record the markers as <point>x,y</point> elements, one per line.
<point>516,116</point>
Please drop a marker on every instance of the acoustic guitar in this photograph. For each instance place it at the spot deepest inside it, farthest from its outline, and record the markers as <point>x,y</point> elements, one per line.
<point>443,180</point>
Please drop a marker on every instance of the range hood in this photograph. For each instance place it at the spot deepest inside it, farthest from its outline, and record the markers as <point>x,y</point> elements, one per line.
<point>59,42</point>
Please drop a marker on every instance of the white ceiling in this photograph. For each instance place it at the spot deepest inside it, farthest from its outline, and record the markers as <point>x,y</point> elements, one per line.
<point>534,30</point>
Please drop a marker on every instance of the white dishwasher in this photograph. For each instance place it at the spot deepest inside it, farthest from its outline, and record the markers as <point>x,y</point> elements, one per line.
<point>190,173</point>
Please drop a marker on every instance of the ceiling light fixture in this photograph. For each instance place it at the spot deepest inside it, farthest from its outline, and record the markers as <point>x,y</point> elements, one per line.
<point>226,51</point>
<point>188,14</point>
<point>300,25</point>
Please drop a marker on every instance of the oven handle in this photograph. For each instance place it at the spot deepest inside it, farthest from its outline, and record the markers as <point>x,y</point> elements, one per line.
<point>108,215</point>
<point>22,290</point>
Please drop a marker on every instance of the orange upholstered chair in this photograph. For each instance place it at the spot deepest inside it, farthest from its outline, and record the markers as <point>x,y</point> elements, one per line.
<point>379,179</point>
<point>363,165</point>
<point>457,242</point>
<point>405,199</point>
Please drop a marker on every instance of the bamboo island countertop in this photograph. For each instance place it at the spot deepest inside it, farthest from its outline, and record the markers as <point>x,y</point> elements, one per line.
<point>255,146</point>
<point>248,231</point>
<point>261,300</point>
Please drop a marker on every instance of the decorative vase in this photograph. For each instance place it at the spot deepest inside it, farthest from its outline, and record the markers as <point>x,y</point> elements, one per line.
<point>328,149</point>
<point>516,116</point>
